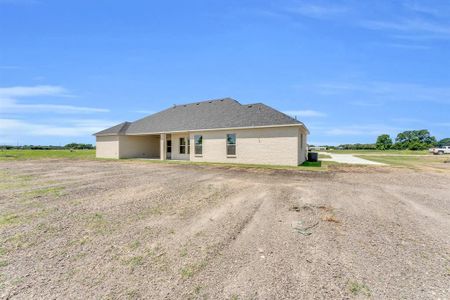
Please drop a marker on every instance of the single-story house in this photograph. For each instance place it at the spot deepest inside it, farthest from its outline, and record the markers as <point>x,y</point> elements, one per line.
<point>222,130</point>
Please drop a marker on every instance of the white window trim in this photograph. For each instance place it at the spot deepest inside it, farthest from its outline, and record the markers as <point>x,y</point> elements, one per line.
<point>188,145</point>
<point>195,146</point>
<point>235,145</point>
<point>182,145</point>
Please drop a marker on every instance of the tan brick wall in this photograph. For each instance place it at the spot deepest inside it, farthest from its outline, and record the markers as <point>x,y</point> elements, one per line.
<point>107,147</point>
<point>274,146</point>
<point>141,146</point>
<point>302,137</point>
<point>176,146</point>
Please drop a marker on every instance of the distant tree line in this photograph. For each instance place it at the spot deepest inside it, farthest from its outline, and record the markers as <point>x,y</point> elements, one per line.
<point>406,140</point>
<point>71,146</point>
<point>79,146</point>
<point>348,147</point>
<point>357,146</point>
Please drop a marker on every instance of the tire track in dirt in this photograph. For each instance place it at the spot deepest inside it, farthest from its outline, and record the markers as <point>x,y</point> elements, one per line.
<point>229,222</point>
<point>250,266</point>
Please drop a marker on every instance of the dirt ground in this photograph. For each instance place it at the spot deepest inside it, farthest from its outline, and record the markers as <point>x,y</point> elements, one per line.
<point>84,229</point>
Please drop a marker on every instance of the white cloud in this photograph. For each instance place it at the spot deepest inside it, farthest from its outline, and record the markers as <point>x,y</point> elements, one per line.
<point>414,22</point>
<point>344,131</point>
<point>427,10</point>
<point>305,113</point>
<point>319,143</point>
<point>375,92</point>
<point>366,103</point>
<point>404,20</point>
<point>359,130</point>
<point>13,128</point>
<point>318,11</point>
<point>143,111</point>
<point>10,104</point>
<point>411,26</point>
<point>32,91</point>
<point>409,120</point>
<point>407,46</point>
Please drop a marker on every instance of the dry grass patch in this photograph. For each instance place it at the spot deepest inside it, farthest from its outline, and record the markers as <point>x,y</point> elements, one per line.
<point>3,263</point>
<point>56,192</point>
<point>357,288</point>
<point>330,218</point>
<point>190,270</point>
<point>9,219</point>
<point>97,223</point>
<point>18,241</point>
<point>9,181</point>
<point>412,162</point>
<point>328,215</point>
<point>135,261</point>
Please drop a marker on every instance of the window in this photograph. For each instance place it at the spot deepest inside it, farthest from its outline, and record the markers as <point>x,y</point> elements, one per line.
<point>231,144</point>
<point>182,145</point>
<point>198,140</point>
<point>169,146</point>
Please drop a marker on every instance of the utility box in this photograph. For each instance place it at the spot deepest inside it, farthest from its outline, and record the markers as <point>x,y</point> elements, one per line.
<point>313,156</point>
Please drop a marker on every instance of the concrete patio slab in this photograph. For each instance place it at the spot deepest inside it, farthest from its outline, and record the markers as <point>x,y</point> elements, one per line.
<point>350,159</point>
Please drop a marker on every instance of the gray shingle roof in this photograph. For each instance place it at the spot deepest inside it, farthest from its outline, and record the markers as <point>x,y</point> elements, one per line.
<point>212,114</point>
<point>119,129</point>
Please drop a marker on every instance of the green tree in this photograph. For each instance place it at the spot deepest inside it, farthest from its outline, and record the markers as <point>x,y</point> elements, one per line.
<point>384,142</point>
<point>444,142</point>
<point>414,140</point>
<point>78,146</point>
<point>358,146</point>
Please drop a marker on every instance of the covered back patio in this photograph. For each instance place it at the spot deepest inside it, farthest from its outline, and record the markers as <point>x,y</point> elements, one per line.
<point>162,146</point>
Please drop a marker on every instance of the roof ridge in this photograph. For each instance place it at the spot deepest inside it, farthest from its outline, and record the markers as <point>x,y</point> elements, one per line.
<point>208,100</point>
<point>125,127</point>
<point>256,103</point>
<point>118,129</point>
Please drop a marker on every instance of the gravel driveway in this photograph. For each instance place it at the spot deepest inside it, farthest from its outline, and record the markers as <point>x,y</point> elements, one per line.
<point>128,229</point>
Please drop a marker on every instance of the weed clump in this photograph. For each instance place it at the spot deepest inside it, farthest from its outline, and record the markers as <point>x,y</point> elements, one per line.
<point>357,288</point>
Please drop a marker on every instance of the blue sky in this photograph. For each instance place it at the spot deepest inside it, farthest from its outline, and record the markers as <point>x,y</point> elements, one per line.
<point>350,70</point>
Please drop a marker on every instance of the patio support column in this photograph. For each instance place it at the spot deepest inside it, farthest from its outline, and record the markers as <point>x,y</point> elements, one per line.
<point>162,146</point>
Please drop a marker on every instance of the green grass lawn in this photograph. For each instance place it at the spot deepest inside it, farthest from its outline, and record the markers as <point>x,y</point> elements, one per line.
<point>391,157</point>
<point>322,156</point>
<point>417,162</point>
<point>399,158</point>
<point>383,152</point>
<point>90,154</point>
<point>40,154</point>
<point>319,166</point>
<point>316,164</point>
